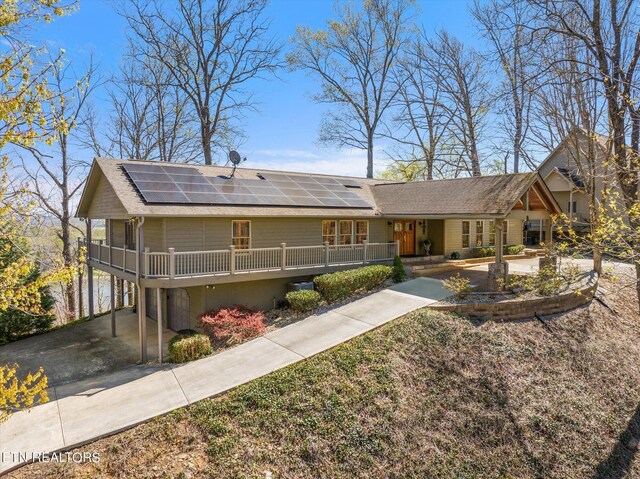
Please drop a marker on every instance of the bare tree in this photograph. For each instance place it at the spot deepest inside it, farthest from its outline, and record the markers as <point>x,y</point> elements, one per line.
<point>354,59</point>
<point>211,50</point>
<point>460,74</point>
<point>422,121</point>
<point>609,32</point>
<point>55,179</point>
<point>503,22</point>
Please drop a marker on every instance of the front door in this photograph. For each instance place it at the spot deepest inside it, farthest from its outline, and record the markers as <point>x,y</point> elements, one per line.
<point>404,231</point>
<point>178,309</point>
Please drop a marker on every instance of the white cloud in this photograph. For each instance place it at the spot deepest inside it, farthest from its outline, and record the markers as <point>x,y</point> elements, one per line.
<point>351,162</point>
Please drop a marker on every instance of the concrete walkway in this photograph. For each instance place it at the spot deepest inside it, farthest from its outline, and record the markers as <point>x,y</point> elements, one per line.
<point>83,411</point>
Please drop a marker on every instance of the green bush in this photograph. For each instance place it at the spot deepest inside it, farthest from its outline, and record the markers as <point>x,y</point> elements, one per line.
<point>514,249</point>
<point>399,274</point>
<point>304,300</point>
<point>460,286</point>
<point>189,347</point>
<point>483,252</point>
<point>337,286</point>
<point>455,255</point>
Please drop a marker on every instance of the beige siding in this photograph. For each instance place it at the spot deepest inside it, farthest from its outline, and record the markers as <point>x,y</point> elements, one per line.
<point>557,182</point>
<point>185,234</point>
<point>154,234</point>
<point>118,233</point>
<point>189,234</point>
<point>105,204</point>
<point>453,234</point>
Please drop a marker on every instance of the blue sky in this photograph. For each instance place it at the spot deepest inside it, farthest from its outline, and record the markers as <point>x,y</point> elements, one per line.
<point>284,133</point>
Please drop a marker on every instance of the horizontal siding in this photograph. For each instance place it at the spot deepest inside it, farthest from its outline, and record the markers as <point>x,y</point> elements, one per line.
<point>185,234</point>
<point>154,234</point>
<point>118,233</point>
<point>105,203</point>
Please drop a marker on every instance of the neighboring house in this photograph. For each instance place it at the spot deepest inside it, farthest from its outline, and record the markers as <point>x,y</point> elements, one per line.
<point>562,174</point>
<point>194,239</point>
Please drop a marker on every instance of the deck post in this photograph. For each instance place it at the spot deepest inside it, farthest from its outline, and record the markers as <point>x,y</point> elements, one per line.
<point>89,270</point>
<point>232,259</point>
<point>145,262</point>
<point>365,246</point>
<point>159,319</point>
<point>100,250</point>
<point>284,255</point>
<point>326,253</point>
<point>112,293</point>
<point>142,323</point>
<point>172,263</point>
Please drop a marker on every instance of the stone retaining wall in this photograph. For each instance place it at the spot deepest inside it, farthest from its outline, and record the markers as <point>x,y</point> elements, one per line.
<point>519,308</point>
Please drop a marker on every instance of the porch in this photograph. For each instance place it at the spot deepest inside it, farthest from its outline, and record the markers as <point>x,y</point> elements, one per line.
<point>233,261</point>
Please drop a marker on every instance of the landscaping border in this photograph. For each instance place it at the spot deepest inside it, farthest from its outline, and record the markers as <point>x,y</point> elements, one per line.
<point>518,308</point>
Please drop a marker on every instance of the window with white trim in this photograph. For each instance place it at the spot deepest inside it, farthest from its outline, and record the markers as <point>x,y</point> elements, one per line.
<point>329,230</point>
<point>479,233</point>
<point>345,234</point>
<point>362,231</point>
<point>492,233</point>
<point>465,234</point>
<point>241,234</point>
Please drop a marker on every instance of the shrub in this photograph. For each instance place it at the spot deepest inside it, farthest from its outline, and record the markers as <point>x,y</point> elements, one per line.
<point>20,394</point>
<point>229,326</point>
<point>304,300</point>
<point>546,282</point>
<point>483,252</point>
<point>337,286</point>
<point>514,249</point>
<point>455,255</point>
<point>189,347</point>
<point>399,274</point>
<point>460,286</point>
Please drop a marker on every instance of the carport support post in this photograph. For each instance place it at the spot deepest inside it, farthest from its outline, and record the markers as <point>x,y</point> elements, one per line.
<point>89,270</point>
<point>113,305</point>
<point>159,319</point>
<point>142,323</point>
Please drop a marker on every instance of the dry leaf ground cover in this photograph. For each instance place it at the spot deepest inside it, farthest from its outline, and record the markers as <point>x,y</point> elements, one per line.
<point>429,395</point>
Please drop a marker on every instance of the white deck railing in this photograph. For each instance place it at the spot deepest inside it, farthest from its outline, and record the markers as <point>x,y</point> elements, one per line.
<point>173,264</point>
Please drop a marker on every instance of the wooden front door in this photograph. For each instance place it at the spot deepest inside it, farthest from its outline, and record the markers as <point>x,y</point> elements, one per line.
<point>404,231</point>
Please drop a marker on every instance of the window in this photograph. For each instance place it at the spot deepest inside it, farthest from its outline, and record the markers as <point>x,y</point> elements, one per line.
<point>572,207</point>
<point>492,233</point>
<point>479,233</point>
<point>362,231</point>
<point>241,234</point>
<point>346,232</point>
<point>465,234</point>
<point>505,234</point>
<point>129,235</point>
<point>329,231</point>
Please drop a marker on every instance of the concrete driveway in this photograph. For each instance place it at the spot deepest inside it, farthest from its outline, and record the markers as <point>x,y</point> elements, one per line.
<point>85,350</point>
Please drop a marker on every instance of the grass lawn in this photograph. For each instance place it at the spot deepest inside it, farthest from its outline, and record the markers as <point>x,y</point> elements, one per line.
<point>428,396</point>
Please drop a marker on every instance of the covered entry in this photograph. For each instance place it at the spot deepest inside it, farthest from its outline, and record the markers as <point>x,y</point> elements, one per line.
<point>178,309</point>
<point>404,232</point>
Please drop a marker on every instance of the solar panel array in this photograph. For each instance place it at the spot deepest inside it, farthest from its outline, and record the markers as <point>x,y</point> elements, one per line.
<point>159,183</point>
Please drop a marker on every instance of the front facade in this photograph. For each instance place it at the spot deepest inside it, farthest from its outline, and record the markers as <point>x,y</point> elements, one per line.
<point>192,239</point>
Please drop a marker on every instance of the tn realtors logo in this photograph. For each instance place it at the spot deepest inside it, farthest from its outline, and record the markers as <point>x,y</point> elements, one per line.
<point>76,457</point>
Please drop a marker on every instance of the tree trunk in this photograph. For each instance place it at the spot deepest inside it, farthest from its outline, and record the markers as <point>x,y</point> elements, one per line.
<point>119,297</point>
<point>370,155</point>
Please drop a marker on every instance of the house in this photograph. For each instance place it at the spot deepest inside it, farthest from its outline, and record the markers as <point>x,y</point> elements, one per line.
<point>566,170</point>
<point>193,238</point>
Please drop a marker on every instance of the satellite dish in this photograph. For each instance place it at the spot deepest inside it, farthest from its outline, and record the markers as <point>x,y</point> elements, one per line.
<point>234,157</point>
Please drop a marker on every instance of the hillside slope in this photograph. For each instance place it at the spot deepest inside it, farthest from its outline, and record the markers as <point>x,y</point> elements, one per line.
<point>427,396</point>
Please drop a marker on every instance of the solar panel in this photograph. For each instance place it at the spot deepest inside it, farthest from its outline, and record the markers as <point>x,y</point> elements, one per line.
<point>160,183</point>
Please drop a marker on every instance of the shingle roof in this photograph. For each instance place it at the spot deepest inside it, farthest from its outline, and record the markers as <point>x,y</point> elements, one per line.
<point>486,196</point>
<point>572,176</point>
<point>135,206</point>
<point>483,195</point>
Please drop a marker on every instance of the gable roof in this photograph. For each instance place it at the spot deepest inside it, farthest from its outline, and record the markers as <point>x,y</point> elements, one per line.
<point>133,204</point>
<point>475,196</point>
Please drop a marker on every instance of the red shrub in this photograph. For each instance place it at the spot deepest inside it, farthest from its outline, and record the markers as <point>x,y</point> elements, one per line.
<point>228,326</point>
